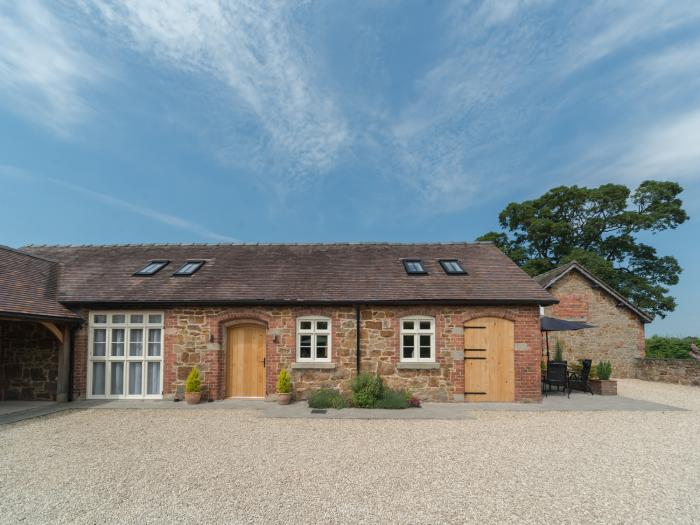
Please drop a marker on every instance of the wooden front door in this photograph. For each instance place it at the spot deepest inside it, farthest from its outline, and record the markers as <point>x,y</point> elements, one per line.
<point>245,361</point>
<point>489,365</point>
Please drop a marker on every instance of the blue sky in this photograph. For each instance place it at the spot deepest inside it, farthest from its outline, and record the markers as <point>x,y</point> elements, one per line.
<point>183,121</point>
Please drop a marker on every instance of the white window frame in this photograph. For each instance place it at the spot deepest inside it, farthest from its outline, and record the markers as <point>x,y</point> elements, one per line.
<point>416,332</point>
<point>108,359</point>
<point>314,332</point>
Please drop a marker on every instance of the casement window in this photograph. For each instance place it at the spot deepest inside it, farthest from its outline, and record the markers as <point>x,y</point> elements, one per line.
<point>314,339</point>
<point>125,355</point>
<point>418,339</point>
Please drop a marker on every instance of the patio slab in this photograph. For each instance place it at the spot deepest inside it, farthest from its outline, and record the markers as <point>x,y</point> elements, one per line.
<point>11,412</point>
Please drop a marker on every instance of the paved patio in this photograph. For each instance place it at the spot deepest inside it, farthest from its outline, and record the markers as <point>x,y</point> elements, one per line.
<point>13,411</point>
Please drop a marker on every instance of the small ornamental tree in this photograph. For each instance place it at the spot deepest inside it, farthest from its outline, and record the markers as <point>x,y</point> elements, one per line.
<point>284,382</point>
<point>193,383</point>
<point>604,370</point>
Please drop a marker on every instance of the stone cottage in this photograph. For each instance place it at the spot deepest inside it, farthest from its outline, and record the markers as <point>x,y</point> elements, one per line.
<point>618,333</point>
<point>450,322</point>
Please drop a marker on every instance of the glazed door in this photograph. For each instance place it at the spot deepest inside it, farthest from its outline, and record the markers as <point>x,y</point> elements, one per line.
<point>489,367</point>
<point>245,361</point>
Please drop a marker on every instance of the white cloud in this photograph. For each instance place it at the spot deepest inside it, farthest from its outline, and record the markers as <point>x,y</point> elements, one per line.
<point>149,213</point>
<point>511,67</point>
<point>258,53</point>
<point>42,72</point>
<point>667,150</point>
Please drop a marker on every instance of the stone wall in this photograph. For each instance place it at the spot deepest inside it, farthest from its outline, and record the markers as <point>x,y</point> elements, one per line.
<point>28,362</point>
<point>196,336</point>
<point>618,335</point>
<point>680,371</point>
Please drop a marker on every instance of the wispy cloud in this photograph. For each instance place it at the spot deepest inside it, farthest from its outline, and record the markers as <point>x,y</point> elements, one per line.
<point>512,69</point>
<point>43,74</point>
<point>257,51</point>
<point>665,150</point>
<point>110,200</point>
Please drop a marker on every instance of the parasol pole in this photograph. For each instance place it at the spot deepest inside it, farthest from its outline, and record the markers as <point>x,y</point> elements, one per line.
<point>546,336</point>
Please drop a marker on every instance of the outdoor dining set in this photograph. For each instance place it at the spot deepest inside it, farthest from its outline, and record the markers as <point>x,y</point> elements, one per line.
<point>557,373</point>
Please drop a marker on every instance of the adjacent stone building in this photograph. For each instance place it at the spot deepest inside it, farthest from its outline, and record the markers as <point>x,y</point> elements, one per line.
<point>618,326</point>
<point>449,322</point>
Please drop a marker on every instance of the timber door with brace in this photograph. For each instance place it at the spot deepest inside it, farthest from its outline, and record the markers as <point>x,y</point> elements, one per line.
<point>489,360</point>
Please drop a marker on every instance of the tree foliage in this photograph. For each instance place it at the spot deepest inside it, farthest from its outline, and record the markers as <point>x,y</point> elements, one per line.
<point>599,228</point>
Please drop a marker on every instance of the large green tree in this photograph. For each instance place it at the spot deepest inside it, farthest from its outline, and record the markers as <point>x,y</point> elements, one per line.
<point>599,228</point>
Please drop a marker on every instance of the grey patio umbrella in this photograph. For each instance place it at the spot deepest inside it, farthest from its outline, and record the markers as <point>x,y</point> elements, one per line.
<point>552,324</point>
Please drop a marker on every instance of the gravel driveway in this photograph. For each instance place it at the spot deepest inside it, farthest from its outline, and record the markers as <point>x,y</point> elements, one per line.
<point>230,465</point>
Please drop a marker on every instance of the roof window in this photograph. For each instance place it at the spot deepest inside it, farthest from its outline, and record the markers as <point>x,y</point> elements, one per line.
<point>189,268</point>
<point>452,266</point>
<point>151,268</point>
<point>414,266</point>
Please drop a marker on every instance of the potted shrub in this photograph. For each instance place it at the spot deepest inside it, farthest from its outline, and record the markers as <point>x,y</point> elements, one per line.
<point>284,387</point>
<point>603,385</point>
<point>193,387</point>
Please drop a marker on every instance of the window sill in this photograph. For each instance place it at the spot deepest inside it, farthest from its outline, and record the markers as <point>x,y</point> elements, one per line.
<point>418,366</point>
<point>311,366</point>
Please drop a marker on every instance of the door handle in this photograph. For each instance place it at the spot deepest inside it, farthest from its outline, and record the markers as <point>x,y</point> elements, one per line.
<point>264,361</point>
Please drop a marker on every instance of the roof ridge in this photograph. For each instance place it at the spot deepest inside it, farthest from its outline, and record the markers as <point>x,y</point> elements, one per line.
<point>20,252</point>
<point>349,243</point>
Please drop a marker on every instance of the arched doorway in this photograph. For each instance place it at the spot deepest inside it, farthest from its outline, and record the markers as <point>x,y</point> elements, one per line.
<point>245,360</point>
<point>489,360</point>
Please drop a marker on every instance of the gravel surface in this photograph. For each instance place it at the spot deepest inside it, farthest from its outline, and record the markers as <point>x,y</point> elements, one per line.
<point>180,466</point>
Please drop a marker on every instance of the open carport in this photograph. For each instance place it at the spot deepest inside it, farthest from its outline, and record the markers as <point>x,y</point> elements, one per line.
<point>35,330</point>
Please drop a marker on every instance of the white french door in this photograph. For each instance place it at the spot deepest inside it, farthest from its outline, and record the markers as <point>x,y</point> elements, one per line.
<point>125,355</point>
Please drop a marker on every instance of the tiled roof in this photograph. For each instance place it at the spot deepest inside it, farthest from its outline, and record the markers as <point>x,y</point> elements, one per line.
<point>547,279</point>
<point>291,273</point>
<point>29,287</point>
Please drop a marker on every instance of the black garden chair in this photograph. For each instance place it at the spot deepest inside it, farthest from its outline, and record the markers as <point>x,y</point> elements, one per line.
<point>555,376</point>
<point>579,380</point>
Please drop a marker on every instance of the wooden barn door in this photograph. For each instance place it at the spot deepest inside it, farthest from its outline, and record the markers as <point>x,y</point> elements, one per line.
<point>489,368</point>
<point>245,361</point>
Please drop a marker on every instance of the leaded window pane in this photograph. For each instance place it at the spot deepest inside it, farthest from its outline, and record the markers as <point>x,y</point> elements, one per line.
<point>135,378</point>
<point>99,342</point>
<point>154,342</point>
<point>98,378</point>
<point>116,378</point>
<point>136,342</point>
<point>117,342</point>
<point>153,379</point>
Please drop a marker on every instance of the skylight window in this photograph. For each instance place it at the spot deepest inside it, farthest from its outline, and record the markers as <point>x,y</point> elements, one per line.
<point>189,268</point>
<point>152,268</point>
<point>414,266</point>
<point>452,266</point>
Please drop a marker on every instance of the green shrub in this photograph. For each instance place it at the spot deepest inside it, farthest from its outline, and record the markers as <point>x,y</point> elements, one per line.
<point>193,382</point>
<point>326,398</point>
<point>366,389</point>
<point>558,351</point>
<point>662,347</point>
<point>393,399</point>
<point>604,370</point>
<point>284,382</point>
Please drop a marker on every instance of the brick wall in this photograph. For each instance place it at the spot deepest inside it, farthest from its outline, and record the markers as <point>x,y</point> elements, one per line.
<point>618,335</point>
<point>680,371</point>
<point>28,362</point>
<point>195,336</point>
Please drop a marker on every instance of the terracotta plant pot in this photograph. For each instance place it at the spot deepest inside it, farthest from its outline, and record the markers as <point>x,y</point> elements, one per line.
<point>284,399</point>
<point>193,398</point>
<point>604,387</point>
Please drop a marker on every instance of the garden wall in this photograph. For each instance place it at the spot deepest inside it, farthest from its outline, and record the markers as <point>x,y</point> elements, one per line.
<point>680,371</point>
